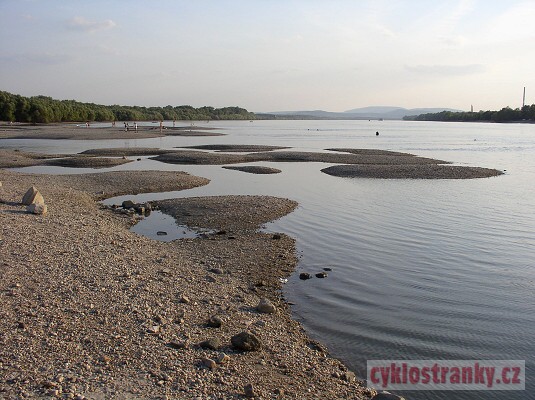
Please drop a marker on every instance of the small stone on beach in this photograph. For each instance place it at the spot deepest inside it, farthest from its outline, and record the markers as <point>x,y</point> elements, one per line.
<point>177,345</point>
<point>209,363</point>
<point>211,344</point>
<point>222,358</point>
<point>265,306</point>
<point>214,322</point>
<point>217,271</point>
<point>249,390</point>
<point>246,341</point>
<point>128,204</point>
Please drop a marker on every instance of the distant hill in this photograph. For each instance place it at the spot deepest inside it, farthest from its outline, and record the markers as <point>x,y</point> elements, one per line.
<point>374,112</point>
<point>387,112</point>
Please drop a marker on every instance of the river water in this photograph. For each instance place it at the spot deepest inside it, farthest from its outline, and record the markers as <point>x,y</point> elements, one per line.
<point>421,269</point>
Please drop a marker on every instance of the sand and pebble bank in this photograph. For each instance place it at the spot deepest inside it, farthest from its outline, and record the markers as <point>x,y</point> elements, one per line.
<point>410,171</point>
<point>91,310</point>
<point>254,169</point>
<point>72,131</point>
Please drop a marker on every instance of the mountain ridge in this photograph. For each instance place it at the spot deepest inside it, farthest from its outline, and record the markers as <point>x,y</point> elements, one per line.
<point>370,112</point>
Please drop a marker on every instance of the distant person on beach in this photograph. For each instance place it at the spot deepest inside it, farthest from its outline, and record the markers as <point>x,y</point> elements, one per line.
<point>174,120</point>
<point>113,124</point>
<point>125,127</point>
<point>161,126</point>
<point>135,126</point>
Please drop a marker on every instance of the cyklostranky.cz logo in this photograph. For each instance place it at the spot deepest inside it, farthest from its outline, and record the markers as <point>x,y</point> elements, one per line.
<point>447,374</point>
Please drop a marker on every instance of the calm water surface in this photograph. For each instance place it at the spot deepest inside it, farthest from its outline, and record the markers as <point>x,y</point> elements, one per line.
<point>421,269</point>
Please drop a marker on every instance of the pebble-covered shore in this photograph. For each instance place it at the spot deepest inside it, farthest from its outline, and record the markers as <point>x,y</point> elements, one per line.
<point>91,310</point>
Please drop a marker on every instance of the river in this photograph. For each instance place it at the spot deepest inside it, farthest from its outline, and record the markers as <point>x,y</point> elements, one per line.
<point>421,269</point>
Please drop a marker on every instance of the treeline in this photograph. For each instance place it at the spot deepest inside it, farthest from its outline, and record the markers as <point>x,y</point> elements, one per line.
<point>506,114</point>
<point>43,109</point>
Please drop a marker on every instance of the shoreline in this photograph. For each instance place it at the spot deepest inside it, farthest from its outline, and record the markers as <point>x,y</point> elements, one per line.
<point>71,131</point>
<point>91,309</point>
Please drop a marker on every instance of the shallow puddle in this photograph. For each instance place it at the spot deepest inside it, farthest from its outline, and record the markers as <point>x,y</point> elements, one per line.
<point>162,227</point>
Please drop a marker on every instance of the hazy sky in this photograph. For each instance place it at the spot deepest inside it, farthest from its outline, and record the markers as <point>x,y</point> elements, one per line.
<point>271,55</point>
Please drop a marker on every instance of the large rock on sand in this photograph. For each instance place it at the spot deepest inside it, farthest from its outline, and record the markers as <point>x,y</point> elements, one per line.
<point>32,196</point>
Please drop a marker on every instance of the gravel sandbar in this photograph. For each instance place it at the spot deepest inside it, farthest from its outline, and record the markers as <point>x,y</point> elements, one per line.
<point>255,169</point>
<point>91,309</point>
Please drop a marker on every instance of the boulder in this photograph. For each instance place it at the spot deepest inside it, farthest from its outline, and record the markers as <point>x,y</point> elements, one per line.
<point>37,208</point>
<point>32,196</point>
<point>246,341</point>
<point>265,306</point>
<point>304,276</point>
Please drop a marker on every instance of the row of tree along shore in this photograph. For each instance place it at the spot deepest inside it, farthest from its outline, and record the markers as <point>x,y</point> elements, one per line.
<point>506,114</point>
<point>43,109</point>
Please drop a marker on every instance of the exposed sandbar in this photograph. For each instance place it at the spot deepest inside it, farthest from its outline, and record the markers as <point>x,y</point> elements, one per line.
<point>126,151</point>
<point>108,184</point>
<point>70,131</point>
<point>18,159</point>
<point>255,169</point>
<point>86,162</point>
<point>425,171</point>
<point>236,148</point>
<point>342,158</point>
<point>199,157</point>
<point>232,213</point>
<point>372,152</point>
<point>91,309</point>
